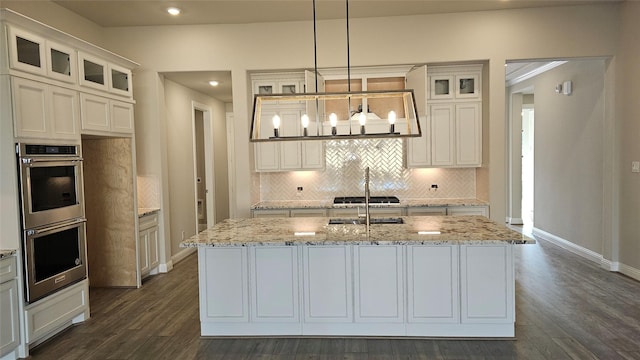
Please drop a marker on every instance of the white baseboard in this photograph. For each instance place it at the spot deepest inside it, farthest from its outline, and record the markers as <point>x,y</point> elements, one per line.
<point>165,268</point>
<point>566,244</point>
<point>176,258</point>
<point>514,221</point>
<point>629,271</point>
<point>589,254</point>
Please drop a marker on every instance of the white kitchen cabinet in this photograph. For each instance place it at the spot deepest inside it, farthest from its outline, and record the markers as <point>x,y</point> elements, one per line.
<point>224,285</point>
<point>45,111</point>
<point>378,284</point>
<point>442,134</point>
<point>432,277</point>
<point>468,210</point>
<point>468,132</point>
<point>104,116</point>
<point>270,213</point>
<point>454,123</point>
<point>148,247</point>
<point>57,311</point>
<point>456,131</point>
<point>93,72</point>
<point>10,324</point>
<point>327,279</point>
<point>119,80</point>
<point>27,51</point>
<point>486,284</point>
<point>285,155</point>
<point>360,211</point>
<point>308,212</point>
<point>273,281</point>
<point>457,82</point>
<point>34,54</point>
<point>427,211</point>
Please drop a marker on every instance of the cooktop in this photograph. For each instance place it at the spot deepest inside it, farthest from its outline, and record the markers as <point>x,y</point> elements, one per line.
<point>360,200</point>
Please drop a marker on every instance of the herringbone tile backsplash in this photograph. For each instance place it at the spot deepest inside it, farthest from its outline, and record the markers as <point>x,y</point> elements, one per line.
<point>344,175</point>
<point>148,188</point>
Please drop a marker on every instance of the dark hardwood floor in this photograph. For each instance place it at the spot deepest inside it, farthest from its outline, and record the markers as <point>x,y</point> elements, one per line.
<point>567,308</point>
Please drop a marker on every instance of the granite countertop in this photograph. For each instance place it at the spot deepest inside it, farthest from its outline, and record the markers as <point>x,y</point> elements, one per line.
<point>146,211</point>
<point>328,204</point>
<point>7,252</point>
<point>265,231</point>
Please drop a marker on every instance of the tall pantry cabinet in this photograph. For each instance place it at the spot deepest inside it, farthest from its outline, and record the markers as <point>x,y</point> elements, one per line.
<point>58,89</point>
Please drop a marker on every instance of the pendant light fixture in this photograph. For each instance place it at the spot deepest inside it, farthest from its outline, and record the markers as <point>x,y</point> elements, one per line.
<point>400,117</point>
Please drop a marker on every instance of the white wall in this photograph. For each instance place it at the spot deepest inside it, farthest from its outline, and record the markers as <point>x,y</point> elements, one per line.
<point>180,159</point>
<point>493,35</point>
<point>628,113</point>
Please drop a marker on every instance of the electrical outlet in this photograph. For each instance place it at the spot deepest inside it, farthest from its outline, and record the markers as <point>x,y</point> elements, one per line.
<point>635,166</point>
<point>434,187</point>
<point>300,188</point>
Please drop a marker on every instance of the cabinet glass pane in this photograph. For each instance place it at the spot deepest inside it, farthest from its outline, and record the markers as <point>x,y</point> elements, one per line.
<point>60,62</point>
<point>288,89</point>
<point>467,86</point>
<point>265,89</point>
<point>120,80</point>
<point>442,87</point>
<point>93,72</point>
<point>28,52</point>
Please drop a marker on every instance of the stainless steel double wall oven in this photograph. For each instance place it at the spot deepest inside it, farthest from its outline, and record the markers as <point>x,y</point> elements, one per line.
<point>53,222</point>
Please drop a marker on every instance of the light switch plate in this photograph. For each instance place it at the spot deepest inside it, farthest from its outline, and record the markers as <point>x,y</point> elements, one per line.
<point>635,166</point>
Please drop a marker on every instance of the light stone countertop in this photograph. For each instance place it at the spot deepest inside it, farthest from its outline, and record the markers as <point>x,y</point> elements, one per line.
<point>146,211</point>
<point>328,204</point>
<point>282,231</point>
<point>7,252</point>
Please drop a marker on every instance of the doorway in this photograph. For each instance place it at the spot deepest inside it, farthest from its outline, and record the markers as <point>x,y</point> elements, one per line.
<point>203,167</point>
<point>527,162</point>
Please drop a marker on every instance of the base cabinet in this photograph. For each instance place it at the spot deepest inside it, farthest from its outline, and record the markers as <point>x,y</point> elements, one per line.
<point>47,316</point>
<point>10,324</point>
<point>327,284</point>
<point>432,276</point>
<point>378,284</point>
<point>359,290</point>
<point>487,284</point>
<point>148,247</point>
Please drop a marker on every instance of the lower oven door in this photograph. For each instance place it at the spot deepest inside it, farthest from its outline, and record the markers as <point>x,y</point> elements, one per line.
<point>54,258</point>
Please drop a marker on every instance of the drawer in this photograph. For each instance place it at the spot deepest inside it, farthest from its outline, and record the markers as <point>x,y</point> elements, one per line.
<point>148,221</point>
<point>8,269</point>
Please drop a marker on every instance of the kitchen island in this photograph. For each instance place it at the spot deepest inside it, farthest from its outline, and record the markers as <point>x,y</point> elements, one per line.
<point>429,276</point>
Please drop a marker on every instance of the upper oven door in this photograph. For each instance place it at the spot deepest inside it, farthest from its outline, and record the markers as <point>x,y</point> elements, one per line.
<point>51,190</point>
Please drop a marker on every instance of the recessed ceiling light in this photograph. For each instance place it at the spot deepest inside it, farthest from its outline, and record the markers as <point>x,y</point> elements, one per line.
<point>173,11</point>
<point>214,83</point>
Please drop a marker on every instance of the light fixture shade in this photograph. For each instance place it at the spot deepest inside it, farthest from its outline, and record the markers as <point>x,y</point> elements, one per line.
<point>320,105</point>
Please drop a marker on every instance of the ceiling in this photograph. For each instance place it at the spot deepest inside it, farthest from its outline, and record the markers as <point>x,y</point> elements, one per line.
<point>115,13</point>
<point>110,13</point>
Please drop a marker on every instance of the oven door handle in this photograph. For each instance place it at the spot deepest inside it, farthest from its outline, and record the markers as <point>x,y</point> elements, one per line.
<point>28,161</point>
<point>48,229</point>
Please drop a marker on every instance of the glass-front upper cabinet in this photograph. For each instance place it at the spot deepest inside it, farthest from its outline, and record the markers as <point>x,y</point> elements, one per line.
<point>61,62</point>
<point>26,51</point>
<point>442,87</point>
<point>119,80</point>
<point>467,86</point>
<point>93,72</point>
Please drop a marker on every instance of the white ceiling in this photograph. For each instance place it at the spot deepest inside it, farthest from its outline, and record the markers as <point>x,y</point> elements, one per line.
<point>109,13</point>
<point>114,13</point>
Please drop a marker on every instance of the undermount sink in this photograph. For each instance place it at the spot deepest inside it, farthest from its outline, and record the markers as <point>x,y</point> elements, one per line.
<point>361,221</point>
